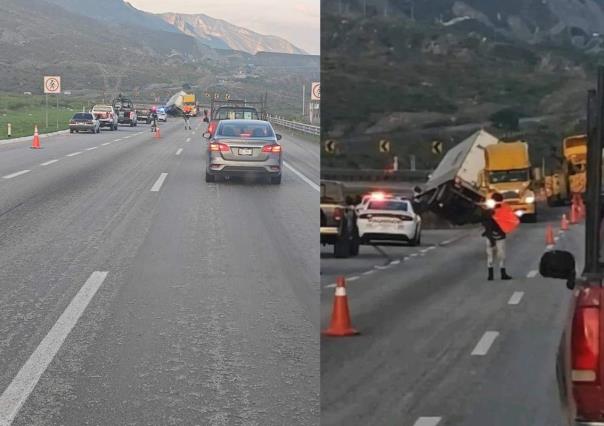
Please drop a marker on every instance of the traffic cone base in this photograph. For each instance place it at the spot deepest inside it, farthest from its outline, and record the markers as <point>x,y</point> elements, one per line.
<point>340,325</point>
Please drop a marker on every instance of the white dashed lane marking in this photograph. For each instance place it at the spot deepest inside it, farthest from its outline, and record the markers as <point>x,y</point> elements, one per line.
<point>160,181</point>
<point>179,151</point>
<point>516,298</point>
<point>427,421</point>
<point>14,175</point>
<point>73,154</point>
<point>352,278</point>
<point>532,274</point>
<point>93,148</point>
<point>48,163</point>
<point>485,342</point>
<point>369,272</point>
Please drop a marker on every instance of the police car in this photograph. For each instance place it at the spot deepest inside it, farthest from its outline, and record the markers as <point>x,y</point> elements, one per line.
<point>388,218</point>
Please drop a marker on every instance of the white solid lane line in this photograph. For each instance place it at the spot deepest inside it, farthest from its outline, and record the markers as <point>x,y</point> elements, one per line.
<point>301,176</point>
<point>179,151</point>
<point>532,274</point>
<point>516,298</point>
<point>485,342</point>
<point>427,421</point>
<point>14,175</point>
<point>25,381</point>
<point>93,148</point>
<point>160,181</point>
<point>73,154</point>
<point>48,163</point>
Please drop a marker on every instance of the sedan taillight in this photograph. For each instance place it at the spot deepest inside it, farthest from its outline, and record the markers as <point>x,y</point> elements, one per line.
<point>272,148</point>
<point>219,147</point>
<point>338,214</point>
<point>585,344</point>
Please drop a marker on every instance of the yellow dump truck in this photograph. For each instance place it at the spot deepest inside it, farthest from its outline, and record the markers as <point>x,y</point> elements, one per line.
<point>571,179</point>
<point>508,171</point>
<point>190,104</point>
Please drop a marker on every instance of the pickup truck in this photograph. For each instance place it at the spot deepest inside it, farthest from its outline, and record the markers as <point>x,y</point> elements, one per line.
<point>580,359</point>
<point>232,112</point>
<point>106,116</point>
<point>338,220</point>
<point>125,110</point>
<point>454,188</point>
<point>143,112</point>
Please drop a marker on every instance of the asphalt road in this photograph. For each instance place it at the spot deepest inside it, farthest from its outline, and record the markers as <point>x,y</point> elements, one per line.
<point>441,345</point>
<point>132,292</point>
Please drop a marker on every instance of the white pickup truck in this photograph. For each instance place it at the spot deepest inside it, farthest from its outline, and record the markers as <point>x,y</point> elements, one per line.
<point>106,116</point>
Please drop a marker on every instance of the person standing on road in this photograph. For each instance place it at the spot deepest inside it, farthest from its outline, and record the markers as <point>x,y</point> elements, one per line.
<point>186,112</point>
<point>153,118</point>
<point>495,239</point>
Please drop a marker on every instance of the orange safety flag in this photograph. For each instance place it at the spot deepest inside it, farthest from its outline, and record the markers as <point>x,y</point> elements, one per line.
<point>506,218</point>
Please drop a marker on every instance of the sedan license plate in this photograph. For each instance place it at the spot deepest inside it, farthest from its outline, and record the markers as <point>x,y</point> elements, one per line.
<point>245,151</point>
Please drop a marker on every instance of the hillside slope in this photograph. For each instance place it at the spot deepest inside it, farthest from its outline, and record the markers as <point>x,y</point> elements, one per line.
<point>220,34</point>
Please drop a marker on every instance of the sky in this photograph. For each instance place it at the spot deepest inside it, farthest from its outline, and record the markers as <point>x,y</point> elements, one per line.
<point>297,21</point>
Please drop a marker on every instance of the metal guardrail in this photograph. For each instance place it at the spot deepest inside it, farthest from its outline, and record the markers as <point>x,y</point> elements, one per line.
<point>301,127</point>
<point>352,175</point>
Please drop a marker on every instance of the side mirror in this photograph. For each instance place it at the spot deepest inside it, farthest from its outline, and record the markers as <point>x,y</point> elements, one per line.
<point>207,135</point>
<point>560,265</point>
<point>279,137</point>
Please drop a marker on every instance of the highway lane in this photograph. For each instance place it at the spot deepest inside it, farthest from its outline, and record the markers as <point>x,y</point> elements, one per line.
<point>204,296</point>
<point>421,320</point>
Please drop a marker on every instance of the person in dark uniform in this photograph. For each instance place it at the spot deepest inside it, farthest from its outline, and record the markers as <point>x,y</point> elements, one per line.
<point>495,239</point>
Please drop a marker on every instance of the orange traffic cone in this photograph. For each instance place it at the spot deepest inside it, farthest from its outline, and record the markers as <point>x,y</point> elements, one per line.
<point>573,214</point>
<point>340,316</point>
<point>549,236</point>
<point>157,133</point>
<point>564,223</point>
<point>36,142</point>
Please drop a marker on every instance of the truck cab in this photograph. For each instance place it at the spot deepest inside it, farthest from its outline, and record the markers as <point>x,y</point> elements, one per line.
<point>580,360</point>
<point>508,172</point>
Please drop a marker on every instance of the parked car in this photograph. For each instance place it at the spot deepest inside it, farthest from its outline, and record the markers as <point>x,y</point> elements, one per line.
<point>106,115</point>
<point>389,219</point>
<point>244,148</point>
<point>84,122</point>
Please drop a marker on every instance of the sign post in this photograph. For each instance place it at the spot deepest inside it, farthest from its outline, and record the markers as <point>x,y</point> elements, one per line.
<point>315,101</point>
<point>52,86</point>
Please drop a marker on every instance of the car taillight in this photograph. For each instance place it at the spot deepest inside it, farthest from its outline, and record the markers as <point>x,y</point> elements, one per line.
<point>271,148</point>
<point>212,127</point>
<point>219,147</point>
<point>585,344</point>
<point>338,214</point>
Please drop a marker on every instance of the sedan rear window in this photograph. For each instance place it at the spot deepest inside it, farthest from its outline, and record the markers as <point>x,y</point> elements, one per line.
<point>388,205</point>
<point>82,116</point>
<point>234,130</point>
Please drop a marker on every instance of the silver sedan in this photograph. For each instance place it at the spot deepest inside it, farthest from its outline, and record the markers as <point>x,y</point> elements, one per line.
<point>244,148</point>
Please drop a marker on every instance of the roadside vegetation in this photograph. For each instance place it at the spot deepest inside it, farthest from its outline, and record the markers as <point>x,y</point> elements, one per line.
<point>24,112</point>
